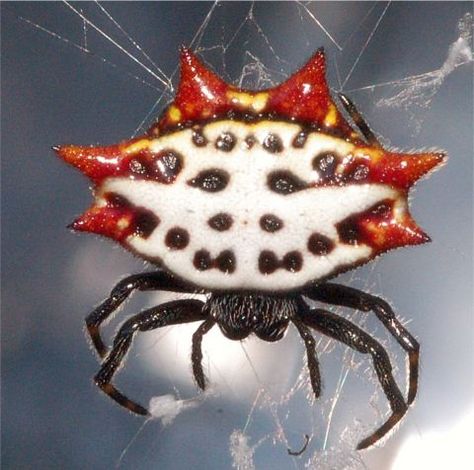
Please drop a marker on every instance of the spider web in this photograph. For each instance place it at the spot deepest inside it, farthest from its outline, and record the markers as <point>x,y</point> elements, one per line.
<point>241,44</point>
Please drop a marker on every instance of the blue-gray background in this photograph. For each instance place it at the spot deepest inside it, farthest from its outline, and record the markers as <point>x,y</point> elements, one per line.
<point>52,416</point>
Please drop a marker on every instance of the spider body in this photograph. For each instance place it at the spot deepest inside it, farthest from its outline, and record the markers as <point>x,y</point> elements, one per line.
<point>255,199</point>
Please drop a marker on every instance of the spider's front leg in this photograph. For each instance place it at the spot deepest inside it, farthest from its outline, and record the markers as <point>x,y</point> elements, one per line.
<point>171,313</point>
<point>158,280</point>
<point>343,330</point>
<point>337,294</point>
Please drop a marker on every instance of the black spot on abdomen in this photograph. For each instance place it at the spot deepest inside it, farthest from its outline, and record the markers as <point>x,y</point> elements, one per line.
<point>272,143</point>
<point>268,262</point>
<point>177,238</point>
<point>211,181</point>
<point>163,166</point>
<point>198,138</point>
<point>271,223</point>
<point>348,231</point>
<point>300,140</point>
<point>325,165</point>
<point>226,142</point>
<point>319,244</point>
<point>284,182</point>
<point>225,261</point>
<point>292,261</point>
<point>221,222</point>
<point>202,260</point>
<point>145,222</point>
<point>359,174</point>
<point>249,141</point>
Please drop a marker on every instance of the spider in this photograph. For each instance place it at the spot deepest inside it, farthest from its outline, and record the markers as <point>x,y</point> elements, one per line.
<point>255,199</point>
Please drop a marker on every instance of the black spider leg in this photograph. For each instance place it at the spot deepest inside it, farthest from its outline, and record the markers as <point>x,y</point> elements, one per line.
<point>145,281</point>
<point>171,313</point>
<point>343,330</point>
<point>338,294</point>
<point>313,364</point>
<point>196,354</point>
<point>359,121</point>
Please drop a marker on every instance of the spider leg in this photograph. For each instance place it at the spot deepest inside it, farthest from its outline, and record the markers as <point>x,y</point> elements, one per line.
<point>343,330</point>
<point>313,364</point>
<point>145,281</point>
<point>359,121</point>
<point>338,294</point>
<point>196,355</point>
<point>171,313</point>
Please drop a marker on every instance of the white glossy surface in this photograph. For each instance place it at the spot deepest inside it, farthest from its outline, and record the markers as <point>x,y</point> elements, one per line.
<point>246,198</point>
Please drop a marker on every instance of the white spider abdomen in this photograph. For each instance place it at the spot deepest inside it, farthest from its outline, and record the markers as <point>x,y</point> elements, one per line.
<point>248,208</point>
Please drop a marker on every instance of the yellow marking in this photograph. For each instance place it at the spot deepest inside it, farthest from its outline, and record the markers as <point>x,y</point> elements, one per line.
<point>256,102</point>
<point>400,215</point>
<point>174,113</point>
<point>123,223</point>
<point>260,101</point>
<point>370,153</point>
<point>378,232</point>
<point>100,202</point>
<point>206,112</point>
<point>331,116</point>
<point>341,167</point>
<point>354,135</point>
<point>141,144</point>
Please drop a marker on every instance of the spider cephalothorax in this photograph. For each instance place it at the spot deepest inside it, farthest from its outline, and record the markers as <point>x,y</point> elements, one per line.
<point>255,198</point>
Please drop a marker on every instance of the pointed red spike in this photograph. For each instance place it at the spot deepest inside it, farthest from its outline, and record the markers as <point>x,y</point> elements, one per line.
<point>132,159</point>
<point>200,89</point>
<point>95,162</point>
<point>386,235</point>
<point>403,170</point>
<point>201,94</point>
<point>116,218</point>
<point>106,221</point>
<point>399,170</point>
<point>305,96</point>
<point>383,227</point>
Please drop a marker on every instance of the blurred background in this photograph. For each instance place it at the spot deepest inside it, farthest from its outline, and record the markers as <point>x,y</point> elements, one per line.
<point>89,73</point>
